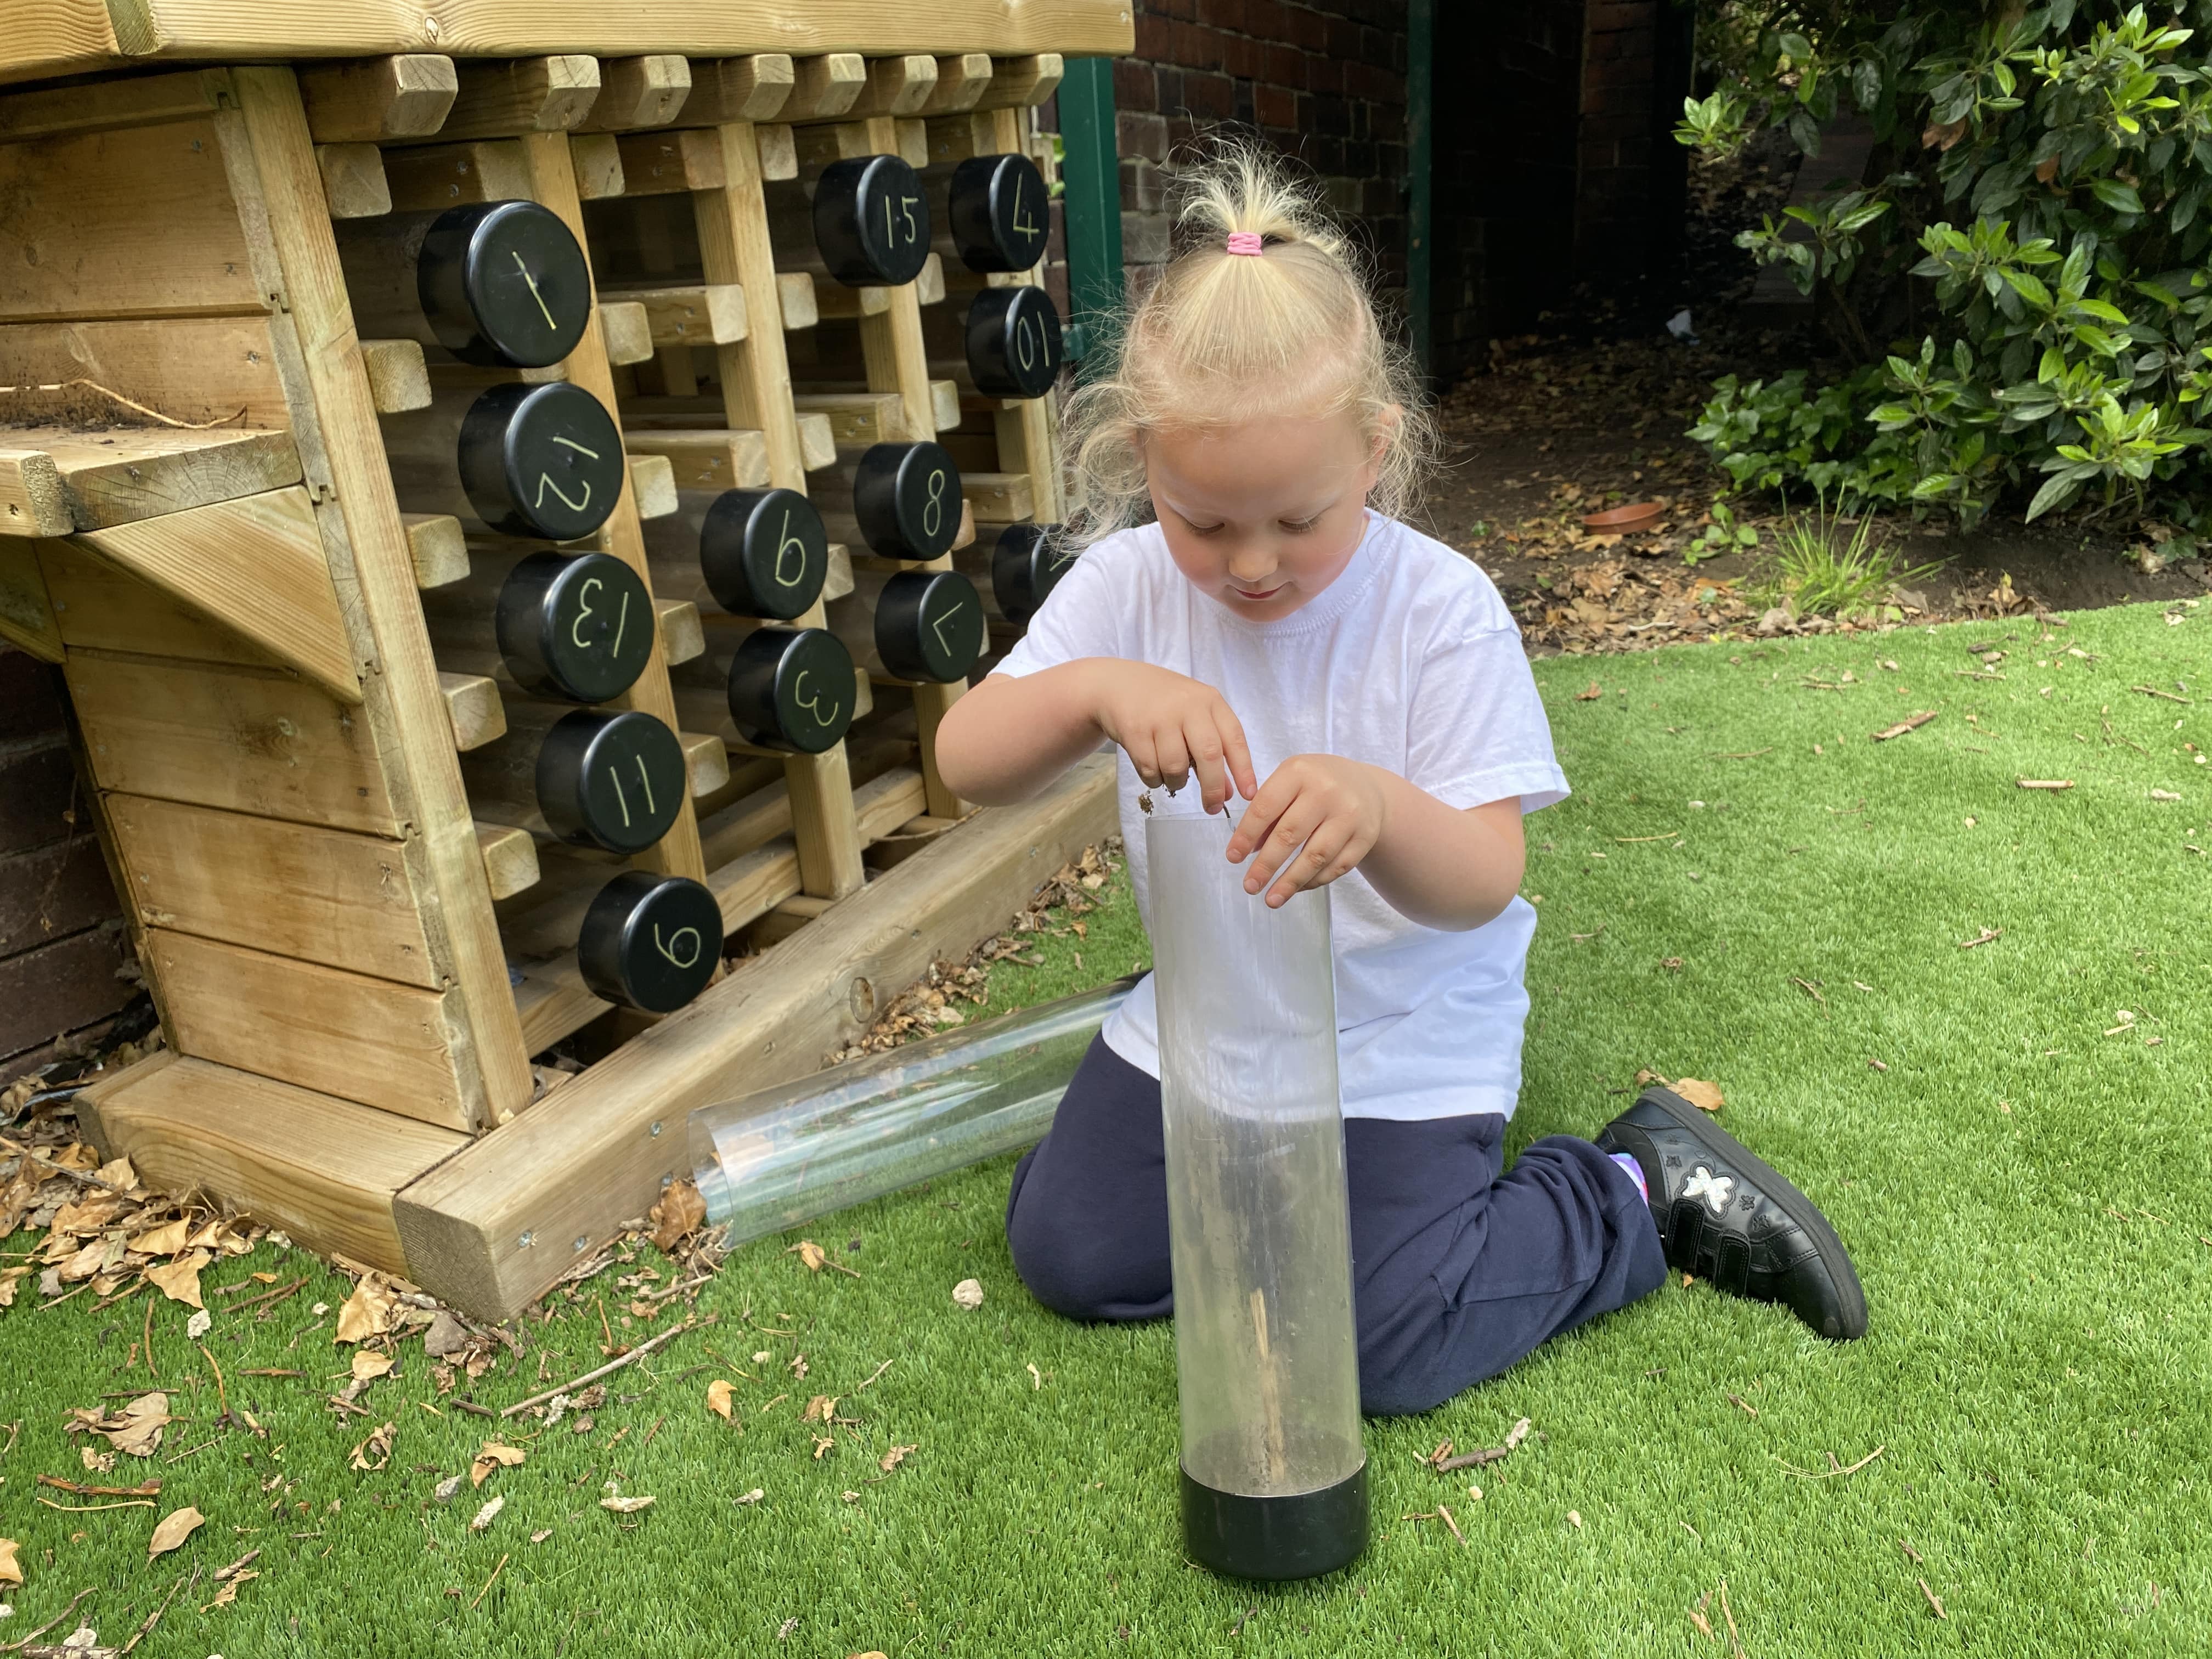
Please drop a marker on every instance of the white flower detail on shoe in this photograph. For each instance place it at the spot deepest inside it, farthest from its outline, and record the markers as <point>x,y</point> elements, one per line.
<point>1714,1189</point>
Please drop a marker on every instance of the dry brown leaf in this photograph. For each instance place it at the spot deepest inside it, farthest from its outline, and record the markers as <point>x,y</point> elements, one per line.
<point>897,1456</point>
<point>625,1505</point>
<point>228,1593</point>
<point>819,1408</point>
<point>969,1293</point>
<point>493,1456</point>
<point>718,1399</point>
<point>680,1209</point>
<point>164,1240</point>
<point>1705,1096</point>
<point>373,1453</point>
<point>367,1367</point>
<point>488,1514</point>
<point>1595,692</point>
<point>812,1254</point>
<point>180,1280</point>
<point>367,1312</point>
<point>138,1432</point>
<point>1911,722</point>
<point>176,1526</point>
<point>11,1570</point>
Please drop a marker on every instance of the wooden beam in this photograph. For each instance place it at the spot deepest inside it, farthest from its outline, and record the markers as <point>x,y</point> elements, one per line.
<point>825,86</point>
<point>754,89</point>
<point>194,369</point>
<point>31,500</point>
<point>961,80</point>
<point>494,1226</point>
<point>321,1169</point>
<point>896,86</point>
<point>683,635</point>
<point>379,99</point>
<point>510,857</point>
<point>628,330</point>
<point>26,612</point>
<point>354,184</point>
<point>479,715</point>
<point>717,457</point>
<point>97,106</point>
<point>438,547</point>
<point>507,98</point>
<point>598,158</point>
<point>713,313</point>
<point>398,376</point>
<point>645,91</point>
<point>706,761</point>
<point>431,177</point>
<point>668,163</point>
<point>117,476</point>
<point>1017,83</point>
<point>256,566</point>
<point>653,483</point>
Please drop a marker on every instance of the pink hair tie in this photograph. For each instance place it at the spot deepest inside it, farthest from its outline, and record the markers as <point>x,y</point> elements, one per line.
<point>1245,241</point>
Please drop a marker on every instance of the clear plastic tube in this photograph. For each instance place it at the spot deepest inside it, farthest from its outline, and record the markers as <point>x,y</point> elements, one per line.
<point>772,1160</point>
<point>1267,1356</point>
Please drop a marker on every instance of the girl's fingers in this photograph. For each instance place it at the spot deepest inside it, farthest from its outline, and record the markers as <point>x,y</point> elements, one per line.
<point>1172,756</point>
<point>1237,754</point>
<point>1269,802</point>
<point>1291,831</point>
<point>1321,863</point>
<point>1139,748</point>
<point>1205,761</point>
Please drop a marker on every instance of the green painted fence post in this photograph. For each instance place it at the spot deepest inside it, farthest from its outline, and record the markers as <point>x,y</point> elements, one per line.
<point>1091,169</point>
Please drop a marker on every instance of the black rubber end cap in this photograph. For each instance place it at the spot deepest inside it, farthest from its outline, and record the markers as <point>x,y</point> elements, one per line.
<point>574,625</point>
<point>541,460</point>
<point>650,942</point>
<point>504,282</point>
<point>1014,345</point>
<point>611,780</point>
<point>1026,564</point>
<point>870,221</point>
<point>929,625</point>
<point>906,497</point>
<point>792,688</point>
<point>764,553</point>
<point>1001,212</point>
<point>1301,1536</point>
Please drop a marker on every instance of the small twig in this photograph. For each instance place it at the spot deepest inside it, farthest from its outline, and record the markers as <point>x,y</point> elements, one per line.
<point>1446,1515</point>
<point>270,1371</point>
<point>1672,834</point>
<point>1809,989</point>
<point>1746,1405</point>
<point>145,1489</point>
<point>1911,722</point>
<point>202,1446</point>
<point>40,1158</point>
<point>12,1647</point>
<point>277,1295</point>
<point>612,1365</point>
<point>2153,691</point>
<point>221,1398</point>
<point>136,1285</point>
<point>150,1371</point>
<point>1933,1599</point>
<point>1987,934</point>
<point>1830,1474</point>
<point>473,1408</point>
<point>154,1616</point>
<point>2044,783</point>
<point>876,1373</point>
<point>489,1581</point>
<point>86,1508</point>
<point>1747,754</point>
<point>1735,1641</point>
<point>1911,1551</point>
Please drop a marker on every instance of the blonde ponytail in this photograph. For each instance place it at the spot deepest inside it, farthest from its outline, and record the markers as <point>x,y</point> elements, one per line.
<point>1219,334</point>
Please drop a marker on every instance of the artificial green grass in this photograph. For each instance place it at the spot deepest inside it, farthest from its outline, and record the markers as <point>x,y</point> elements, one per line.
<point>2038,1278</point>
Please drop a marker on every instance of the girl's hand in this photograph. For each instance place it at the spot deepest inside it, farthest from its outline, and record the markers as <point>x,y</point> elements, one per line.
<point>1333,807</point>
<point>1171,726</point>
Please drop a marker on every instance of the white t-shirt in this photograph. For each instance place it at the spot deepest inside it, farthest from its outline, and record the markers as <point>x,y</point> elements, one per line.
<point>1408,661</point>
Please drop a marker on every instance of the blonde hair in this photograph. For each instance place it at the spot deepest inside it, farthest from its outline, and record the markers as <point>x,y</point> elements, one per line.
<point>1293,330</point>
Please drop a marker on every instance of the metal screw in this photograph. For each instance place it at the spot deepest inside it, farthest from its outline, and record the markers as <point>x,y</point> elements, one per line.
<point>656,1130</point>
<point>526,1241</point>
<point>583,1241</point>
<point>667,1181</point>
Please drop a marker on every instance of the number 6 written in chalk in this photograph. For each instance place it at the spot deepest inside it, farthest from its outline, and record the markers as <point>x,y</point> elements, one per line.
<point>681,933</point>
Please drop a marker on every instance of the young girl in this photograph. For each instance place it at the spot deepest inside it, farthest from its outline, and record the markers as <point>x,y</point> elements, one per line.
<point>1270,636</point>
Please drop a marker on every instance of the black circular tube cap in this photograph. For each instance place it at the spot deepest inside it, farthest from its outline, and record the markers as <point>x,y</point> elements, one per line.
<point>999,207</point>
<point>541,460</point>
<point>1014,348</point>
<point>906,497</point>
<point>870,221</point>
<point>1026,564</point>
<point>504,282</point>
<point>650,942</point>
<point>764,553</point>
<point>792,688</point>
<point>1300,1536</point>
<point>574,625</point>
<point>929,625</point>
<point>614,782</point>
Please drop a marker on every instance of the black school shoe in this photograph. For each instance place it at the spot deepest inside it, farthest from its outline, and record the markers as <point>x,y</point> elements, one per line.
<point>1726,1216</point>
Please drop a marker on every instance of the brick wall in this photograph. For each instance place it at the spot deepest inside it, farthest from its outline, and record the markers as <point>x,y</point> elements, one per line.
<point>1323,80</point>
<point>1632,173</point>
<point>62,936</point>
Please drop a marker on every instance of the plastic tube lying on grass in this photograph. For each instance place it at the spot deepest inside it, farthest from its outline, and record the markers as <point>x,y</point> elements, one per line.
<point>771,1160</point>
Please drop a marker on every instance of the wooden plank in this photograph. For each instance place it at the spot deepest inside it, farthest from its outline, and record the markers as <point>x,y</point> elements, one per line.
<point>255,565</point>
<point>834,300</point>
<point>321,1169</point>
<point>193,369</point>
<point>962,79</point>
<point>30,502</point>
<point>508,97</point>
<point>344,1034</point>
<point>478,715</point>
<point>40,795</point>
<point>858,419</point>
<point>645,91</point>
<point>115,475</point>
<point>652,485</point>
<point>597,156</point>
<point>377,99</point>
<point>629,334</point>
<point>354,184</point>
<point>668,163</point>
<point>1016,82</point>
<point>84,236</point>
<point>712,458</point>
<point>27,610</point>
<point>706,761</point>
<point>438,548</point>
<point>576,1173</point>
<point>100,605</point>
<point>795,297</point>
<point>50,892</point>
<point>712,313</point>
<point>398,376</point>
<point>752,88</point>
<point>779,152</point>
<point>366,547</point>
<point>510,857</point>
<point>553,184</point>
<point>896,86</point>
<point>321,896</point>
<point>70,983</point>
<point>251,740</point>
<point>138,102</point>
<point>999,498</point>
<point>429,178</point>
<point>682,635</point>
<point>825,87</point>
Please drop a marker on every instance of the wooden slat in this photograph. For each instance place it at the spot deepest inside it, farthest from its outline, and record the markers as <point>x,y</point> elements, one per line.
<point>196,369</point>
<point>354,184</point>
<point>377,99</point>
<point>796,298</point>
<point>510,858</point>
<point>508,97</point>
<point>31,501</point>
<point>702,314</point>
<point>858,419</point>
<point>138,101</point>
<point>961,80</point>
<point>478,715</point>
<point>100,605</point>
<point>682,635</point>
<point>716,458</point>
<point>250,740</point>
<point>85,236</point>
<point>999,498</point>
<point>347,1035</point>
<point>825,86</point>
<point>896,86</point>
<point>1016,82</point>
<point>430,178</point>
<point>27,612</point>
<point>627,332</point>
<point>646,91</point>
<point>255,565</point>
<point>597,156</point>
<point>116,476</point>
<point>666,163</point>
<point>321,1169</point>
<point>1027,441</point>
<point>706,761</point>
<point>321,896</point>
<point>366,548</point>
<point>577,1173</point>
<point>398,376</point>
<point>754,89</point>
<point>653,484</point>
<point>437,547</point>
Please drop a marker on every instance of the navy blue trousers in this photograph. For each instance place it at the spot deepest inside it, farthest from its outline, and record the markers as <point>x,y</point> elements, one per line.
<point>1458,1270</point>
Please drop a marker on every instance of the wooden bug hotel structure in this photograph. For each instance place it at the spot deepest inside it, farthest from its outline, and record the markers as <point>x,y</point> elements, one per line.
<point>510,503</point>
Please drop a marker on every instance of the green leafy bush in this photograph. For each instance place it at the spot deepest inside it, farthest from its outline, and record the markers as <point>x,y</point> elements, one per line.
<point>2025,288</point>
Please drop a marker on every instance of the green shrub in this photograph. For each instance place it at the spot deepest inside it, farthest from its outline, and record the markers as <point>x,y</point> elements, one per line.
<point>2062,240</point>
